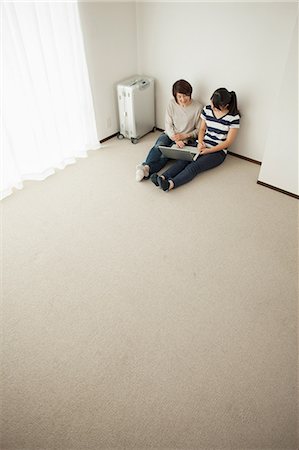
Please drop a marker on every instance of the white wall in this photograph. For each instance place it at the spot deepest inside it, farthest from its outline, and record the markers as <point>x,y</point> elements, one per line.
<point>241,46</point>
<point>280,160</point>
<point>109,33</point>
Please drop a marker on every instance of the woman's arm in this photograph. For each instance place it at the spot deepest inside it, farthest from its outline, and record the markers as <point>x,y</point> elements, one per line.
<point>231,136</point>
<point>169,127</point>
<point>181,136</point>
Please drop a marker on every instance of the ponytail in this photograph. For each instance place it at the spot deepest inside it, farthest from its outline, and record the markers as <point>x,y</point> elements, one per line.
<point>222,97</point>
<point>233,107</point>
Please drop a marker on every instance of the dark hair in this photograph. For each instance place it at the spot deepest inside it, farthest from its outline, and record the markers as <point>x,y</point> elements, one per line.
<point>222,97</point>
<point>181,87</point>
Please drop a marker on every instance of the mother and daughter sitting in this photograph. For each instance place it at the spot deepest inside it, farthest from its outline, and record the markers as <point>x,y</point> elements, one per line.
<point>215,133</point>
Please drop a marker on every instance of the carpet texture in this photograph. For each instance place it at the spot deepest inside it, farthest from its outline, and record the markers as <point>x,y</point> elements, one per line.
<point>140,319</point>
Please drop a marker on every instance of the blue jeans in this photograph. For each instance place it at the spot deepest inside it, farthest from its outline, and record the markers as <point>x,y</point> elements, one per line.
<point>182,172</point>
<point>155,160</point>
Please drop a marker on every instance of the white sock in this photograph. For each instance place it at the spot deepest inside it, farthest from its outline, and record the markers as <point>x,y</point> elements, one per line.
<point>146,171</point>
<point>140,172</point>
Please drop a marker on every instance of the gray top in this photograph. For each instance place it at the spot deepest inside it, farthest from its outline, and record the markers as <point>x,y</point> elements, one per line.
<point>179,119</point>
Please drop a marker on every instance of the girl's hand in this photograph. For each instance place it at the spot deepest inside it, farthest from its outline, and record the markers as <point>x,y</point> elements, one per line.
<point>201,148</point>
<point>203,151</point>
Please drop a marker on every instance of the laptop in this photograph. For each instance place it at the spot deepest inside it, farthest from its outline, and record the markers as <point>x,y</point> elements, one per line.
<point>186,153</point>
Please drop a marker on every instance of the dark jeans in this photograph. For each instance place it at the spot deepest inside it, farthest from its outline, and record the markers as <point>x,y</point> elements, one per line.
<point>182,172</point>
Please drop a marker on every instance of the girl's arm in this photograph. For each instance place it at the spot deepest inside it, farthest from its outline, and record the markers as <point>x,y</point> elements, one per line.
<point>201,134</point>
<point>231,136</point>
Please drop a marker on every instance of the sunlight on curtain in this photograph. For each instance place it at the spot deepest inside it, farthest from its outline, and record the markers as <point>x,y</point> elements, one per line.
<point>48,117</point>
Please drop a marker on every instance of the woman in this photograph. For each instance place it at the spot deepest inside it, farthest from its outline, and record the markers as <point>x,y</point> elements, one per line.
<point>181,127</point>
<point>218,130</point>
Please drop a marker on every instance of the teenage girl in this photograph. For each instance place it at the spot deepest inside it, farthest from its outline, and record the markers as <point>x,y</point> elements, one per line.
<point>218,130</point>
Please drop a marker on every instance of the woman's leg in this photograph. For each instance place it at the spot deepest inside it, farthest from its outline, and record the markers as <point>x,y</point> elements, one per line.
<point>155,160</point>
<point>155,154</point>
<point>203,163</point>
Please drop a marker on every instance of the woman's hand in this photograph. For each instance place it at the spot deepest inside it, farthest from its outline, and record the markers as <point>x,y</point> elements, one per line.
<point>179,137</point>
<point>179,144</point>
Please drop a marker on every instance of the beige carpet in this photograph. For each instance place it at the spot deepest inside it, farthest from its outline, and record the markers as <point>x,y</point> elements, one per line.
<point>139,319</point>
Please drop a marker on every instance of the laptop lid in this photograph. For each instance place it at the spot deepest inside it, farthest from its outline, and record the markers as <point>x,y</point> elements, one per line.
<point>186,153</point>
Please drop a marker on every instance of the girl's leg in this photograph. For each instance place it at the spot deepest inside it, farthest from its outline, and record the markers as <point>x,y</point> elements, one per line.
<point>162,180</point>
<point>203,163</point>
<point>175,169</point>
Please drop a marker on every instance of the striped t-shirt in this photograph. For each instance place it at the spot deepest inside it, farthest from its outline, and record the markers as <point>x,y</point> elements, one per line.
<point>217,129</point>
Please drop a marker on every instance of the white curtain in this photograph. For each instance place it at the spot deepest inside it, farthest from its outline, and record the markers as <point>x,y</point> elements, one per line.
<point>47,115</point>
